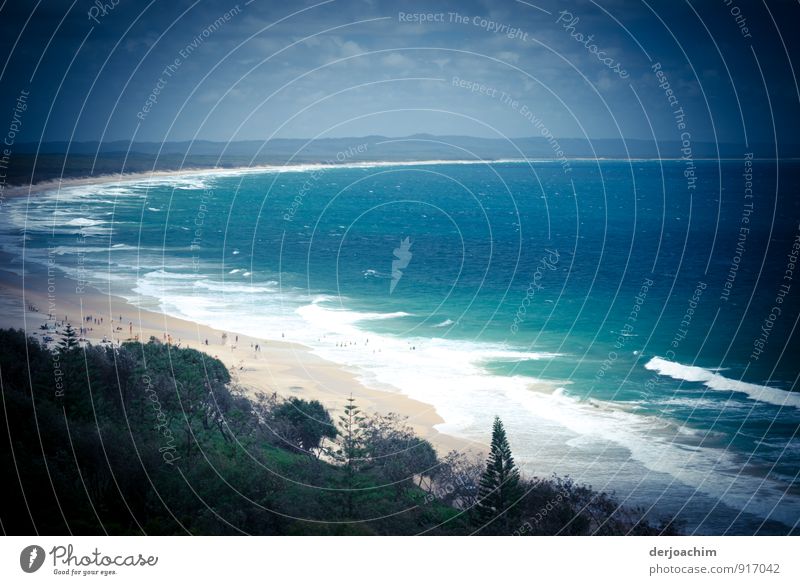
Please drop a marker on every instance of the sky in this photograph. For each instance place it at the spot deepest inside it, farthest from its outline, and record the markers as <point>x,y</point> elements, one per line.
<point>711,70</point>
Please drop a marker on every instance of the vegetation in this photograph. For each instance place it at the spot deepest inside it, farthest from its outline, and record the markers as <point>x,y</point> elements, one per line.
<point>304,424</point>
<point>499,486</point>
<point>69,338</point>
<point>152,439</point>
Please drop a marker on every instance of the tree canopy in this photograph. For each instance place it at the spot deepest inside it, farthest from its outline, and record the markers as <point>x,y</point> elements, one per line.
<point>148,438</point>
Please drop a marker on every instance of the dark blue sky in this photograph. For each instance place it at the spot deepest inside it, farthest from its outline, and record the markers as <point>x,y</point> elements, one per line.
<point>351,68</point>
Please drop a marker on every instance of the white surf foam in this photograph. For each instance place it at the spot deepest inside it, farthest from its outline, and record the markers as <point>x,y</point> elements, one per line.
<point>716,381</point>
<point>450,375</point>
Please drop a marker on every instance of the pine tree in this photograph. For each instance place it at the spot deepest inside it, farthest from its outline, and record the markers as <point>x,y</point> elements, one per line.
<point>69,339</point>
<point>352,431</point>
<point>499,486</point>
<point>352,449</point>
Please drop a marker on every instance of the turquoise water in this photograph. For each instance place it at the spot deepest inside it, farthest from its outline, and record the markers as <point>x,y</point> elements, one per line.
<point>603,310</point>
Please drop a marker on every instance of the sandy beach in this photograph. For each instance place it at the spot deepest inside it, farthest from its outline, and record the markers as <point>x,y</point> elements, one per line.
<point>31,298</point>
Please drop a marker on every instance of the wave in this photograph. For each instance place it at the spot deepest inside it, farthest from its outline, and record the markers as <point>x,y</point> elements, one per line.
<point>82,250</point>
<point>515,355</point>
<point>692,403</point>
<point>228,288</point>
<point>371,273</point>
<point>712,379</point>
<point>381,316</point>
<point>84,221</point>
<point>117,185</point>
<point>450,375</point>
<point>165,275</point>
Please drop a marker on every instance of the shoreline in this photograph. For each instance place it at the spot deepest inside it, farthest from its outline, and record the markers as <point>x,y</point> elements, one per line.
<point>17,190</point>
<point>561,436</point>
<point>77,181</point>
<point>285,368</point>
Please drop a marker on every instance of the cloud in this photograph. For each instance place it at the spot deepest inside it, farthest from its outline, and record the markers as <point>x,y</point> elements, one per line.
<point>350,48</point>
<point>508,56</point>
<point>397,61</point>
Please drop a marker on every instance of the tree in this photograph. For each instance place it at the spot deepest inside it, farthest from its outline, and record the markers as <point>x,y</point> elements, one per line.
<point>352,429</point>
<point>69,339</point>
<point>499,488</point>
<point>398,455</point>
<point>457,479</point>
<point>352,446</point>
<point>308,422</point>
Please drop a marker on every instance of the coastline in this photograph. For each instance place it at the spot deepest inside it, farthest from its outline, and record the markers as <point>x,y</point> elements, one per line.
<point>555,443</point>
<point>286,368</point>
<point>66,182</point>
<point>17,190</point>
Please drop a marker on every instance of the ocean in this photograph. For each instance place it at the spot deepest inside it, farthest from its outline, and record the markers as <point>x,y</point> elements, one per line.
<point>631,322</point>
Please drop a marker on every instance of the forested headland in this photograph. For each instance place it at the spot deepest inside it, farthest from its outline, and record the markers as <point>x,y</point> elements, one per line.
<point>148,438</point>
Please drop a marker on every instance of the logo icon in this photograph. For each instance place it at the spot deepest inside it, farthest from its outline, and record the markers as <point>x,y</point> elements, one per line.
<point>402,256</point>
<point>31,558</point>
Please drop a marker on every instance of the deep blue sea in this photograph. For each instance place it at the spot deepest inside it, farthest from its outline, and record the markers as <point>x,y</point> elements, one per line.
<point>632,326</point>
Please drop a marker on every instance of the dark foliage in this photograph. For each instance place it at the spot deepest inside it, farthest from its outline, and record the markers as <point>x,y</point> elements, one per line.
<point>151,439</point>
<point>499,489</point>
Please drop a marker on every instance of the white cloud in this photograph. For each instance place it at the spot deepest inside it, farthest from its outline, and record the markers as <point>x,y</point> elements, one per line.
<point>350,48</point>
<point>398,61</point>
<point>508,56</point>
